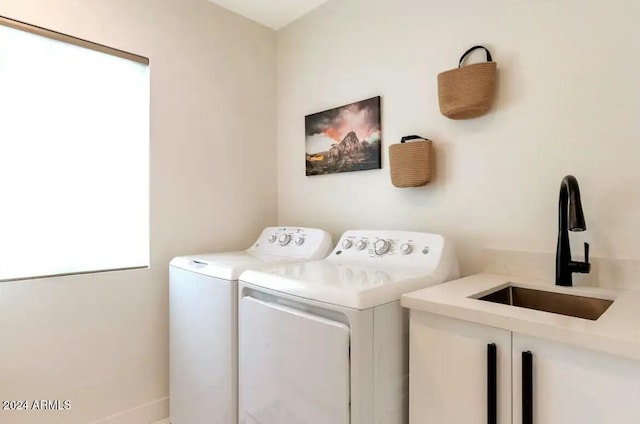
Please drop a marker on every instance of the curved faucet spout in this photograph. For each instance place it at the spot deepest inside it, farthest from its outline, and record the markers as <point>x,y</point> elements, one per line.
<point>570,218</point>
<point>570,197</point>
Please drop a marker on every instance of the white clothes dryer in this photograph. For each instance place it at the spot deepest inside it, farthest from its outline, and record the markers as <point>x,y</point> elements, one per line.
<point>203,299</point>
<point>326,341</point>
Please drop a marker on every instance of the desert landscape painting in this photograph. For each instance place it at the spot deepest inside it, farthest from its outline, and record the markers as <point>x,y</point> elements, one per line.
<point>344,139</point>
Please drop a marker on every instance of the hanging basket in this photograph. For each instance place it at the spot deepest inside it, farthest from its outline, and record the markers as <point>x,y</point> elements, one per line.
<point>411,163</point>
<point>467,91</point>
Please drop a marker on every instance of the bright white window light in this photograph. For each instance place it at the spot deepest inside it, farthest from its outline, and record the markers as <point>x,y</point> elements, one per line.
<point>74,158</point>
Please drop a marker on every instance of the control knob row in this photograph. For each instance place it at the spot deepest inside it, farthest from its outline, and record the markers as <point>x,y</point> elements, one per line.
<point>360,244</point>
<point>380,247</point>
<point>284,239</point>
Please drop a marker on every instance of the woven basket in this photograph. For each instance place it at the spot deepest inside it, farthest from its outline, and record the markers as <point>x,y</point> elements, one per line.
<point>467,91</point>
<point>411,163</point>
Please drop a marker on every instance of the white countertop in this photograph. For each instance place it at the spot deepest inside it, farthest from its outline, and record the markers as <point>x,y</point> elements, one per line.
<point>616,332</point>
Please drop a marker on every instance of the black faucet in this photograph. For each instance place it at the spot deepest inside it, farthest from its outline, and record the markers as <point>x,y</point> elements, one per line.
<point>571,219</point>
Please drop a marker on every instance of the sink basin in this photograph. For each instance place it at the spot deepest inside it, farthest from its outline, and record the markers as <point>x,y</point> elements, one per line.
<point>558,303</point>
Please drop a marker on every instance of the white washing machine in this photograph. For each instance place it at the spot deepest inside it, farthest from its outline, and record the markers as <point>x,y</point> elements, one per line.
<point>326,341</point>
<point>203,321</point>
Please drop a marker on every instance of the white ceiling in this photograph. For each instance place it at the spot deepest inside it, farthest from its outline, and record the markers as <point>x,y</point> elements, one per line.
<point>272,13</point>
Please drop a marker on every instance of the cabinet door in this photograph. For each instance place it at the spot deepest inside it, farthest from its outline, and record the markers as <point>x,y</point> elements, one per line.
<point>572,385</point>
<point>459,372</point>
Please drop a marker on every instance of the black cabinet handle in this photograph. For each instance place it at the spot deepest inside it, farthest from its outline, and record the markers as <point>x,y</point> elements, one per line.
<point>527,387</point>
<point>492,384</point>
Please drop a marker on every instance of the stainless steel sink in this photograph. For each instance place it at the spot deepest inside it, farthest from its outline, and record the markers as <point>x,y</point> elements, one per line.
<point>558,303</point>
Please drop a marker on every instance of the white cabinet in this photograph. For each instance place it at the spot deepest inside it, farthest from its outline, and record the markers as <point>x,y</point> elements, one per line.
<point>572,385</point>
<point>450,371</point>
<point>451,378</point>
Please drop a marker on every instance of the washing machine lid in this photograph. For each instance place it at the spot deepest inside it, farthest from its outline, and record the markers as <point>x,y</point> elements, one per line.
<point>343,284</point>
<point>360,274</point>
<point>275,245</point>
<point>228,265</point>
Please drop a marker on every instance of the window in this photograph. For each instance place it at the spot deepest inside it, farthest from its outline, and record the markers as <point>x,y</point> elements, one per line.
<point>74,155</point>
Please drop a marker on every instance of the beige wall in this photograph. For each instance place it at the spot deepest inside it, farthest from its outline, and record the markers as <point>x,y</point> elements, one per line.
<point>101,340</point>
<point>568,103</point>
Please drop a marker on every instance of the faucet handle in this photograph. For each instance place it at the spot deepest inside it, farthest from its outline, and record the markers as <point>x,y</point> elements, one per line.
<point>582,267</point>
<point>586,253</point>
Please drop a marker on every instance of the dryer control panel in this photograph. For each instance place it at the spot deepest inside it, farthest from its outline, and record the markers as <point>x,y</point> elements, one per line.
<point>298,242</point>
<point>394,248</point>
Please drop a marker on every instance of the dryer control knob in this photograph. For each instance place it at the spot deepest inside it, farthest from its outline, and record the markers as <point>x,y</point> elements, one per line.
<point>273,238</point>
<point>381,247</point>
<point>284,239</point>
<point>346,243</point>
<point>298,240</point>
<point>361,244</point>
<point>406,248</point>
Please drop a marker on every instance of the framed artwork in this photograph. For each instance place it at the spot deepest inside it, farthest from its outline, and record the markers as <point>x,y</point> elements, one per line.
<point>344,139</point>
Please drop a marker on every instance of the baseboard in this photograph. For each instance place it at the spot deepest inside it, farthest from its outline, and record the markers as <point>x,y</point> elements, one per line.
<point>148,413</point>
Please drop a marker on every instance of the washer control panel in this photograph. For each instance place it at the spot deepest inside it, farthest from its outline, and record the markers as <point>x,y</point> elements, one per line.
<point>311,243</point>
<point>392,247</point>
